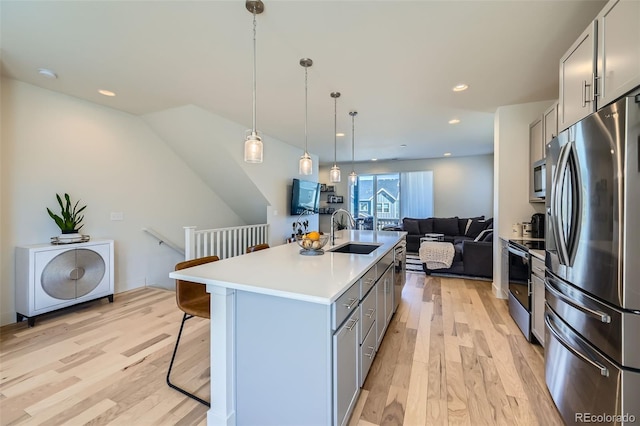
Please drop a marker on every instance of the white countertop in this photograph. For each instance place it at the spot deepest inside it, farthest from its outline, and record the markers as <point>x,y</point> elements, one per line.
<point>282,271</point>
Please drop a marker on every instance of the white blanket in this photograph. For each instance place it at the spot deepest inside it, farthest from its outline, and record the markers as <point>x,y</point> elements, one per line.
<point>437,255</point>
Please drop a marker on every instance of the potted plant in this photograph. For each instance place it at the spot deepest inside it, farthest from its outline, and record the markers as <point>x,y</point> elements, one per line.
<point>70,219</point>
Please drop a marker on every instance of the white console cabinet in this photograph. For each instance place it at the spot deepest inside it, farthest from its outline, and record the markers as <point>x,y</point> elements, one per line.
<point>50,277</point>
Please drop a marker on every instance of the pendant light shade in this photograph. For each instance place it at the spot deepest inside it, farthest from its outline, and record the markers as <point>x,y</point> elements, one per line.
<point>253,143</point>
<point>353,177</point>
<point>253,148</point>
<point>305,166</point>
<point>334,174</point>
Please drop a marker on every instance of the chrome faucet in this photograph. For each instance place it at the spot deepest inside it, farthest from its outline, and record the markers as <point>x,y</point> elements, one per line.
<point>332,234</point>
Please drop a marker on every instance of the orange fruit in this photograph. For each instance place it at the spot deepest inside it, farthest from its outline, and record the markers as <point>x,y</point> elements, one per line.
<point>313,235</point>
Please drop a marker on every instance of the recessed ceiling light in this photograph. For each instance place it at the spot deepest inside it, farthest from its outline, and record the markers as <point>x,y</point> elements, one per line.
<point>106,92</point>
<point>447,154</point>
<point>47,73</point>
<point>460,87</point>
<point>404,145</point>
<point>374,159</point>
<point>454,121</point>
<point>339,134</point>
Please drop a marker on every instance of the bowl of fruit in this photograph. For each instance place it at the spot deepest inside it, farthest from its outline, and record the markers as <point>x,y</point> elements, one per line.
<point>312,243</point>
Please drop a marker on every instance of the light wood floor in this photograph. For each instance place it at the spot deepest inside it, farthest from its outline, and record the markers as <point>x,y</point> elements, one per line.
<point>451,355</point>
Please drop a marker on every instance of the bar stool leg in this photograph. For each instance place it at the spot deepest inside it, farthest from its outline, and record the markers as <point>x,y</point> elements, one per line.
<point>185,317</point>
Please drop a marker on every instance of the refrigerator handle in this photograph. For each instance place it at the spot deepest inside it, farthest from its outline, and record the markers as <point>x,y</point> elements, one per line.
<point>603,370</point>
<point>576,204</point>
<point>556,197</point>
<point>603,317</point>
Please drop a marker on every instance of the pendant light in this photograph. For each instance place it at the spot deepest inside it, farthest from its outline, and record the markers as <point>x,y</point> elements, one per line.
<point>334,174</point>
<point>306,165</point>
<point>253,142</point>
<point>353,177</point>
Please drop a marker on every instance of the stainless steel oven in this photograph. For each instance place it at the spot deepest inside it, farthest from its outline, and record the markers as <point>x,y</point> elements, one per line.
<point>520,286</point>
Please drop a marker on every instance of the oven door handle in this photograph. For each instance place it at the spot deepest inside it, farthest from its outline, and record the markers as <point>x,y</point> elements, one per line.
<point>603,370</point>
<point>550,285</point>
<point>517,252</point>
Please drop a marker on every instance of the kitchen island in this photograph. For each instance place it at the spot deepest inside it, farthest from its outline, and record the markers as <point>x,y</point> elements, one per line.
<point>288,331</point>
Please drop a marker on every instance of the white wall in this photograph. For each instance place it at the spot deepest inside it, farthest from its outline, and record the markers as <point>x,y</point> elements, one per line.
<point>511,159</point>
<point>113,162</point>
<point>462,186</point>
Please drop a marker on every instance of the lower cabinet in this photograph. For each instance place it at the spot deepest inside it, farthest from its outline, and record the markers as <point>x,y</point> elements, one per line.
<point>367,353</point>
<point>381,324</point>
<point>537,299</point>
<point>387,280</point>
<point>384,304</point>
<point>346,351</point>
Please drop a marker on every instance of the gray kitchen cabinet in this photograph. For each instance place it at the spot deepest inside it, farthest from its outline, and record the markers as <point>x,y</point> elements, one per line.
<point>577,77</point>
<point>387,280</point>
<point>550,124</point>
<point>603,64</point>
<point>618,50</point>
<point>381,326</point>
<point>536,140</point>
<point>537,299</point>
<point>536,153</point>
<point>367,314</point>
<point>346,383</point>
<point>367,353</point>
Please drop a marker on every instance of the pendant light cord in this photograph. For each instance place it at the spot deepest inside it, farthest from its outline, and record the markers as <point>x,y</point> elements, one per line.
<point>306,107</point>
<point>254,70</point>
<point>353,135</point>
<point>335,129</point>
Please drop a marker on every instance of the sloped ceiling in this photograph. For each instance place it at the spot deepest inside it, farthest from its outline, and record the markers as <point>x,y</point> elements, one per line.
<point>188,131</point>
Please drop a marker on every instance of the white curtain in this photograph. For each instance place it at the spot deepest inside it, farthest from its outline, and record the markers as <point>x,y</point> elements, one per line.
<point>416,189</point>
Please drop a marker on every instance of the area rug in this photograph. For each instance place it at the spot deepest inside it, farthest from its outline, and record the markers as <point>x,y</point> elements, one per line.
<point>414,266</point>
<point>413,263</point>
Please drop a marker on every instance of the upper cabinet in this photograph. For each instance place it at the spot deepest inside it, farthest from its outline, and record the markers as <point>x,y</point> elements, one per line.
<point>550,121</point>
<point>603,64</point>
<point>618,50</point>
<point>536,141</point>
<point>577,75</point>
<point>541,131</point>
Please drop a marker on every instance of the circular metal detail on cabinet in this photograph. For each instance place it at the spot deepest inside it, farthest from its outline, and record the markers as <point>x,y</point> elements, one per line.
<point>73,274</point>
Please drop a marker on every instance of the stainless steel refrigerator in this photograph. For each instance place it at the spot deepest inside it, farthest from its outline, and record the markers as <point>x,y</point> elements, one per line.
<point>592,315</point>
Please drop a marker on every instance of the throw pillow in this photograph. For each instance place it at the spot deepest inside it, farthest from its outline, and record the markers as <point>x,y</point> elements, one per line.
<point>411,226</point>
<point>486,235</point>
<point>476,227</point>
<point>463,224</point>
<point>446,225</point>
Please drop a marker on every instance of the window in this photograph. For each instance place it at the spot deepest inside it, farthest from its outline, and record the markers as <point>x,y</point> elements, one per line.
<point>395,195</point>
<point>383,208</point>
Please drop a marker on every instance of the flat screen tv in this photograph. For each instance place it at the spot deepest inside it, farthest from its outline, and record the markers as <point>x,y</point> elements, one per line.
<point>305,195</point>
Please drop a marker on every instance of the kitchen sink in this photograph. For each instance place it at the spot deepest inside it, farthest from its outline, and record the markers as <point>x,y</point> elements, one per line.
<point>356,248</point>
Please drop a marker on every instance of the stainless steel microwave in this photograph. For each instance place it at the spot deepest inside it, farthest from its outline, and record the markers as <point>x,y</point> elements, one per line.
<point>539,178</point>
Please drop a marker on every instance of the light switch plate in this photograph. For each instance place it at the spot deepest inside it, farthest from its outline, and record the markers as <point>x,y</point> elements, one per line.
<point>117,216</point>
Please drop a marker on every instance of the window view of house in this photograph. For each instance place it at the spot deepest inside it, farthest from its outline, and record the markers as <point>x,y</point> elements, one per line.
<point>384,199</point>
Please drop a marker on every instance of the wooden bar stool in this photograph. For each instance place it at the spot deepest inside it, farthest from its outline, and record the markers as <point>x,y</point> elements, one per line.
<point>257,247</point>
<point>193,299</point>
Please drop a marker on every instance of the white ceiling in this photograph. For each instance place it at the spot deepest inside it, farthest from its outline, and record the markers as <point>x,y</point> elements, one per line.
<point>395,62</point>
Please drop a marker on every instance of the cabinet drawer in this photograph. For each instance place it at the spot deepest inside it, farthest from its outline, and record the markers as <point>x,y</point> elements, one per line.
<point>537,267</point>
<point>367,353</point>
<point>385,262</point>
<point>345,305</point>
<point>367,314</point>
<point>368,280</point>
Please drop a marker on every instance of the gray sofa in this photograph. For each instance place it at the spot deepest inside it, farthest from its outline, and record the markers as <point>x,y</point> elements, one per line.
<point>472,239</point>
